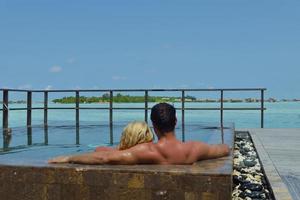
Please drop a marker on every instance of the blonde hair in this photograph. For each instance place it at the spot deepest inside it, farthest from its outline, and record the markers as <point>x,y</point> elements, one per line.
<point>134,133</point>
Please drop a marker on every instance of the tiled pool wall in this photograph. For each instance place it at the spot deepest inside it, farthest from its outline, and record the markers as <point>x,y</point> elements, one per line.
<point>209,179</point>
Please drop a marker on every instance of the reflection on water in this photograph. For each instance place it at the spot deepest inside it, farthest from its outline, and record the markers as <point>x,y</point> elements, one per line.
<point>29,135</point>
<point>6,138</point>
<point>77,135</point>
<point>46,135</point>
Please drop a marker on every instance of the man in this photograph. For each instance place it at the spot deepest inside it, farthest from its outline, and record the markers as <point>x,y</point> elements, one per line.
<point>168,150</point>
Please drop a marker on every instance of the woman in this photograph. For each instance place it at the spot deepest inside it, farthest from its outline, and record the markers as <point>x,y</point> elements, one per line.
<point>134,133</point>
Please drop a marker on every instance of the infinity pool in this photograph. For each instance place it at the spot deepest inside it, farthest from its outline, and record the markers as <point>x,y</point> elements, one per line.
<point>37,145</point>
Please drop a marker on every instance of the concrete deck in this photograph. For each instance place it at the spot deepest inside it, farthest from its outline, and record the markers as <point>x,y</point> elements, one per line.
<point>279,152</point>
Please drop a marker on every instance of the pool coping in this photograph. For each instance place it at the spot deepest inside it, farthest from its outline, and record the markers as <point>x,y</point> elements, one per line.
<point>201,167</point>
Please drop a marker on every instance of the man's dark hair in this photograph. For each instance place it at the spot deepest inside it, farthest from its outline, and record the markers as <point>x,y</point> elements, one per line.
<point>163,117</point>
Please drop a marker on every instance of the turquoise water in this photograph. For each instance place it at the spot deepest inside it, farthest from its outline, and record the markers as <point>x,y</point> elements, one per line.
<point>63,138</point>
<point>38,144</point>
<point>277,115</point>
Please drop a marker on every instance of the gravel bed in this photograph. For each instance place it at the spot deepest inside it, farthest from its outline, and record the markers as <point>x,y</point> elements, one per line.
<point>249,181</point>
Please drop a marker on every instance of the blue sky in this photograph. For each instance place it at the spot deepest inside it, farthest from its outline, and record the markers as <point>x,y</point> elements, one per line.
<point>151,44</point>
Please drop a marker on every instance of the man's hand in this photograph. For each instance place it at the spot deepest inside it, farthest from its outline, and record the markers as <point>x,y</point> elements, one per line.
<point>60,159</point>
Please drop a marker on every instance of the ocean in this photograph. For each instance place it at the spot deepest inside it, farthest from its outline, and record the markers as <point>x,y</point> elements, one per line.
<point>277,115</point>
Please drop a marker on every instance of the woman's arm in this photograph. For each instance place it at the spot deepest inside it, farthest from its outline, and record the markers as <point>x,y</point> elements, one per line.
<point>139,154</point>
<point>86,158</point>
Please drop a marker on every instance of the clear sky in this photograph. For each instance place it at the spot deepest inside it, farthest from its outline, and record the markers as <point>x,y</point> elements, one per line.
<point>151,44</point>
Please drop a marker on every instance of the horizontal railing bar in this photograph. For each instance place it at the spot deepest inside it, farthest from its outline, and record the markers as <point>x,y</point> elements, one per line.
<point>61,108</point>
<point>224,109</point>
<point>73,108</point>
<point>14,90</point>
<point>138,90</point>
<point>91,108</point>
<point>119,108</point>
<point>58,108</point>
<point>197,108</point>
<point>18,109</point>
<point>122,108</point>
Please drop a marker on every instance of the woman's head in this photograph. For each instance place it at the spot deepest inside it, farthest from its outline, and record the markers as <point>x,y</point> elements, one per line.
<point>135,133</point>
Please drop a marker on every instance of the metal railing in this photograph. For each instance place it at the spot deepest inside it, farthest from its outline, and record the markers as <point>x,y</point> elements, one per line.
<point>5,110</point>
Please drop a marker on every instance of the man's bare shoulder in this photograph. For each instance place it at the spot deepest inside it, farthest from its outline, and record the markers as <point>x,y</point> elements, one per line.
<point>145,153</point>
<point>143,147</point>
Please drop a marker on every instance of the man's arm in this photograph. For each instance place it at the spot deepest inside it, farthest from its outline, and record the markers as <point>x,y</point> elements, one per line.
<point>218,150</point>
<point>101,148</point>
<point>139,154</point>
<point>202,151</point>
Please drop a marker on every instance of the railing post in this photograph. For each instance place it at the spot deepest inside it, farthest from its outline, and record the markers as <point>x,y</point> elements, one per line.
<point>221,108</point>
<point>77,108</point>
<point>111,117</point>
<point>45,109</point>
<point>5,110</point>
<point>182,114</point>
<point>262,109</point>
<point>146,105</point>
<point>29,108</point>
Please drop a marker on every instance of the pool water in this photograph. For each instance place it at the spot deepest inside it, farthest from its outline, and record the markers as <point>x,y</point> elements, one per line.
<point>38,144</point>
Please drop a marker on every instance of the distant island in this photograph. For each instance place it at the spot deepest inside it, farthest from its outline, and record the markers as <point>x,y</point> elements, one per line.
<point>15,102</point>
<point>119,98</point>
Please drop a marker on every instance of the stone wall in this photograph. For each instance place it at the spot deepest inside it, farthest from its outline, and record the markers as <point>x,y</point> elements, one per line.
<point>203,180</point>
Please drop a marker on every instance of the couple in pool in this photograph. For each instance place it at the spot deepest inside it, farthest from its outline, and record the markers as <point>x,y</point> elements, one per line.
<point>137,146</point>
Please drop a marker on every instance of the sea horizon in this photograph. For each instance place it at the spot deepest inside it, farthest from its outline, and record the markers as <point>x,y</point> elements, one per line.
<point>276,115</point>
